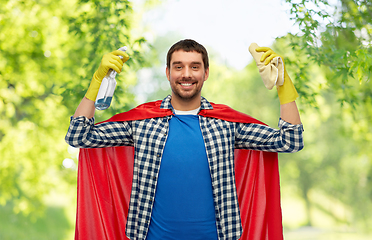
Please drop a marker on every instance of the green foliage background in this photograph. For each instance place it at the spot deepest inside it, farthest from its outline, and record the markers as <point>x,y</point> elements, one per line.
<point>48,52</point>
<point>50,49</point>
<point>337,37</point>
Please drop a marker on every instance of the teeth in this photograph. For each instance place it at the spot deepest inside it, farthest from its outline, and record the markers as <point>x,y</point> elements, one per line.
<point>186,84</point>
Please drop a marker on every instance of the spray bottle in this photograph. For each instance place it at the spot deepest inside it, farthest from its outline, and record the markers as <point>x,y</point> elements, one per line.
<point>107,88</point>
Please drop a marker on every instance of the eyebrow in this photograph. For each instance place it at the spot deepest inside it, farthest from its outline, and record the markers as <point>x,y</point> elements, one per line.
<point>179,62</point>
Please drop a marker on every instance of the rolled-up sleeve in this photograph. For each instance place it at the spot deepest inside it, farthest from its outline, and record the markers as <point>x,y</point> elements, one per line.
<point>288,138</point>
<point>83,133</point>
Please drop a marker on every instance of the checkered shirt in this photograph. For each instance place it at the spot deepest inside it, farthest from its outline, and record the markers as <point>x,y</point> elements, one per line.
<point>149,136</point>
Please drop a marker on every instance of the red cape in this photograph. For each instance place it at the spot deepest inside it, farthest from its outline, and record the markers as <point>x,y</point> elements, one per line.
<point>105,180</point>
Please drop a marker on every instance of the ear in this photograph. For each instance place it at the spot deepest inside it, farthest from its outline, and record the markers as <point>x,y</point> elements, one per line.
<point>167,73</point>
<point>206,74</point>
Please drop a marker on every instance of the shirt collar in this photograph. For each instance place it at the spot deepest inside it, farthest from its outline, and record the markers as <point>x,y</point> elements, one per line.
<point>166,103</point>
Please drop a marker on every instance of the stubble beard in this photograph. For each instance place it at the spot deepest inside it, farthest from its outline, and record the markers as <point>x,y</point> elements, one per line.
<point>185,95</point>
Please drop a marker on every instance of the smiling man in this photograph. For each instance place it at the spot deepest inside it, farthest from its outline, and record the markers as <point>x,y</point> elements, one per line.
<point>187,70</point>
<point>184,183</point>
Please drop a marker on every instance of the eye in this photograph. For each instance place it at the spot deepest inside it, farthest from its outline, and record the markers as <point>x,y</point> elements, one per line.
<point>195,67</point>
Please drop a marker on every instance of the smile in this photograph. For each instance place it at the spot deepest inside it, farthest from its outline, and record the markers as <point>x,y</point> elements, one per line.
<point>186,84</point>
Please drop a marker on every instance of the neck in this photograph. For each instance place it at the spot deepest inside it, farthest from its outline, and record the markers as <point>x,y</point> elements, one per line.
<point>185,104</point>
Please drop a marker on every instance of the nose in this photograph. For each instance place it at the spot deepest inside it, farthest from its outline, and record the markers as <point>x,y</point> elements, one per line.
<point>187,73</point>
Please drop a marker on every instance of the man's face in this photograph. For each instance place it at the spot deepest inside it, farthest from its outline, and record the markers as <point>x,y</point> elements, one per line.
<point>186,75</point>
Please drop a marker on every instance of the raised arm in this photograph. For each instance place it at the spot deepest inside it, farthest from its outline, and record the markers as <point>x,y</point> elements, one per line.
<point>86,108</point>
<point>289,113</point>
<point>109,61</point>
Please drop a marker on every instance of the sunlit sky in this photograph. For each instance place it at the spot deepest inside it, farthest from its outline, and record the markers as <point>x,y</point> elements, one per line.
<point>229,27</point>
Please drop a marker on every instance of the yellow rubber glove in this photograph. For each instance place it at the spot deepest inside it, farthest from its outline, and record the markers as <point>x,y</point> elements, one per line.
<point>287,92</point>
<point>109,61</point>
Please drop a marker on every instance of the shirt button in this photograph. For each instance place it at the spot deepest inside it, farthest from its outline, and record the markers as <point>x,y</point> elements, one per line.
<point>86,121</point>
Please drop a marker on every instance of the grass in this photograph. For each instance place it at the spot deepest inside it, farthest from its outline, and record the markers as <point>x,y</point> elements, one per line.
<point>53,225</point>
<point>324,226</point>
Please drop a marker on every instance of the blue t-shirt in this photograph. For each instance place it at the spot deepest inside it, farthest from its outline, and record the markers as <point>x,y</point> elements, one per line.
<point>183,206</point>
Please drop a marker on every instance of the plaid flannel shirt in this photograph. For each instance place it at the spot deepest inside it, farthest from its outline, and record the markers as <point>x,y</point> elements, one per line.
<point>148,136</point>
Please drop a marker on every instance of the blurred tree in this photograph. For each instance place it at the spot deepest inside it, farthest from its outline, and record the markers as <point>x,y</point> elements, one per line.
<point>48,52</point>
<point>337,37</point>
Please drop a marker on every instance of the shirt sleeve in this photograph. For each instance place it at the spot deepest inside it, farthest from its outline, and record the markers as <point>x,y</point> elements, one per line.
<point>288,138</point>
<point>83,133</point>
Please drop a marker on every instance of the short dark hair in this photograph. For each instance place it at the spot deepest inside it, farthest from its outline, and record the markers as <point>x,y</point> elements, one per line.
<point>188,45</point>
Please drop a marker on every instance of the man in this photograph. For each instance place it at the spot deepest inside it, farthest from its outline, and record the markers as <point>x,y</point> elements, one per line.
<point>183,183</point>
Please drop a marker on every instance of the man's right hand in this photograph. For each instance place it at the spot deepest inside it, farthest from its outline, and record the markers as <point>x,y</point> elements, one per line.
<point>109,61</point>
